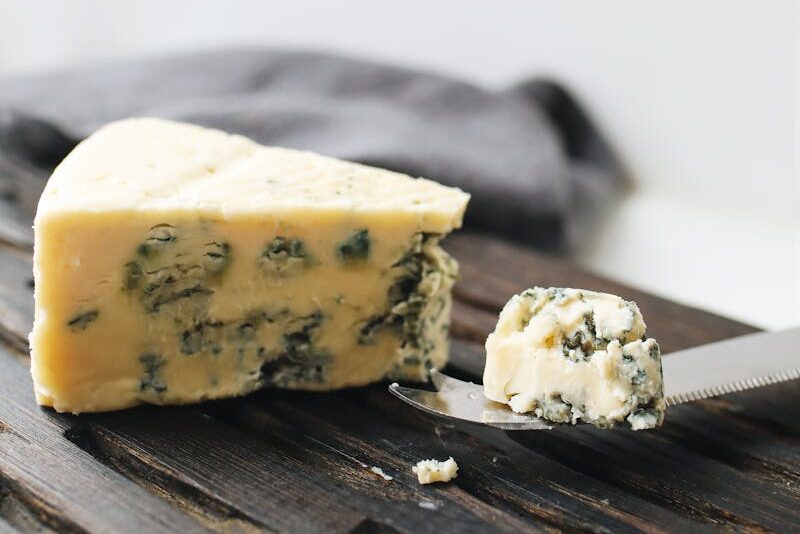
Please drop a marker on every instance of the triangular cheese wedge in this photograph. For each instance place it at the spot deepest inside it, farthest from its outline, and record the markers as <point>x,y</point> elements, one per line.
<point>175,264</point>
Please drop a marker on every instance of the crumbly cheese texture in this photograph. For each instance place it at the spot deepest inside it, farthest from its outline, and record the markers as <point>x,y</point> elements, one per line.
<point>175,264</point>
<point>572,355</point>
<point>430,471</point>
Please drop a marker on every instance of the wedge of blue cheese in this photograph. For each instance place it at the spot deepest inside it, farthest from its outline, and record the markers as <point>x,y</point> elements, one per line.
<point>571,355</point>
<point>175,264</point>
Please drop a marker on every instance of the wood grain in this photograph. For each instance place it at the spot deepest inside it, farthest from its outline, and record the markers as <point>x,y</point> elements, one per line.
<point>492,270</point>
<point>297,462</point>
<point>62,487</point>
<point>20,187</point>
<point>16,291</point>
<point>6,528</point>
<point>660,468</point>
<point>372,426</point>
<point>284,474</point>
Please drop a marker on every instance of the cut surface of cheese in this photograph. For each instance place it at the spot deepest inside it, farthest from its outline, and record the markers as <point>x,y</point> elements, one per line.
<point>572,355</point>
<point>175,264</point>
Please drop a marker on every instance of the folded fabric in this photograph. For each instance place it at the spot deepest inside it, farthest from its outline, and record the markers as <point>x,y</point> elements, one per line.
<point>534,164</point>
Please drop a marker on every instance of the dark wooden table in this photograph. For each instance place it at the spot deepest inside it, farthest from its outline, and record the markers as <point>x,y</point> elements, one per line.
<point>292,462</point>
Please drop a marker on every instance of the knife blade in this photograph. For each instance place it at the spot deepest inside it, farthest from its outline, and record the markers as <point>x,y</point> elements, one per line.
<point>736,364</point>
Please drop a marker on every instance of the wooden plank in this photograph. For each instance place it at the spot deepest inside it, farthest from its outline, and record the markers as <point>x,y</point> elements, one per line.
<point>380,430</point>
<point>470,323</point>
<point>20,187</point>
<point>466,360</point>
<point>16,296</point>
<point>63,487</point>
<point>492,270</point>
<point>199,461</point>
<point>6,528</point>
<point>758,451</point>
<point>763,407</point>
<point>743,499</point>
<point>275,479</point>
<point>668,473</point>
<point>16,516</point>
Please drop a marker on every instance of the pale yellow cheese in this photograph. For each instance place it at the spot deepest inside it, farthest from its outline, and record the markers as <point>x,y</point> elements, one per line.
<point>175,264</point>
<point>430,471</point>
<point>572,355</point>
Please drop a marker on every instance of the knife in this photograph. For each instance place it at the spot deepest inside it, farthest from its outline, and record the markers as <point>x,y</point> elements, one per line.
<point>736,364</point>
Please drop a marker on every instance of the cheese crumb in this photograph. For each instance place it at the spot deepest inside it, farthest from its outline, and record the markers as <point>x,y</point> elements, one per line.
<point>429,471</point>
<point>378,471</point>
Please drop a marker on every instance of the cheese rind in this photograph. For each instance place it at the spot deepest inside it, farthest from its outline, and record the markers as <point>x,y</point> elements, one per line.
<point>175,264</point>
<point>151,165</point>
<point>572,355</point>
<point>430,471</point>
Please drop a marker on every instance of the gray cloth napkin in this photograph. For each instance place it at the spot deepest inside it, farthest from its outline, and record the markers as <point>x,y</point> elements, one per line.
<point>534,164</point>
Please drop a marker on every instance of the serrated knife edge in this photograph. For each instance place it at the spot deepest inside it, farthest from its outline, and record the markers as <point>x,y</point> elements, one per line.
<point>737,364</point>
<point>733,387</point>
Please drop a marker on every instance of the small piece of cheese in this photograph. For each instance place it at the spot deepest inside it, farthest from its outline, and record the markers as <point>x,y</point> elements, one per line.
<point>570,355</point>
<point>430,471</point>
<point>175,264</point>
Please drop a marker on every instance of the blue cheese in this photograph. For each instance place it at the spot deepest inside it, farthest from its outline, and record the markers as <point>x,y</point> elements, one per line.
<point>430,471</point>
<point>175,264</point>
<point>570,355</point>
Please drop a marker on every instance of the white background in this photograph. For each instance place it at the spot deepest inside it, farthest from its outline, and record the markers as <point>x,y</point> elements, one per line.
<point>698,97</point>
